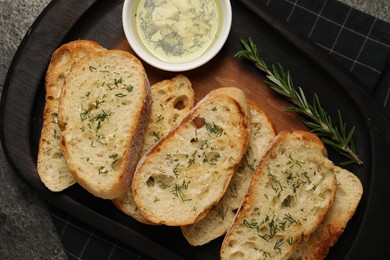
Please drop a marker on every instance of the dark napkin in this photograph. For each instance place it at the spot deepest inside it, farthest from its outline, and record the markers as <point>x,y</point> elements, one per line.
<point>358,41</point>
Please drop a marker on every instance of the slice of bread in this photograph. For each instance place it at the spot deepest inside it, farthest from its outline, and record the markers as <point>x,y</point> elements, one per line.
<point>291,192</point>
<point>187,172</point>
<point>172,100</point>
<point>104,110</point>
<point>51,165</point>
<point>220,218</point>
<point>348,195</point>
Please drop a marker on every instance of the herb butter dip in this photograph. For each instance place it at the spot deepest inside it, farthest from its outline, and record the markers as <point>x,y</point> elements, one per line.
<point>177,31</point>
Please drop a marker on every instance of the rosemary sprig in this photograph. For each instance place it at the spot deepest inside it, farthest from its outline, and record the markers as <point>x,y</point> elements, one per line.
<point>318,120</point>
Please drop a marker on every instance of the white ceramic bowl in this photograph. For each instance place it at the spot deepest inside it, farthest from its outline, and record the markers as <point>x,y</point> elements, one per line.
<point>141,50</point>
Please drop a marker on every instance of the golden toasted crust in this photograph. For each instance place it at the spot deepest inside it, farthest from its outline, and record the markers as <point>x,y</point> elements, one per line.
<point>348,195</point>
<point>290,194</point>
<point>62,61</point>
<point>220,218</point>
<point>172,100</point>
<point>179,180</point>
<point>51,165</point>
<point>104,110</point>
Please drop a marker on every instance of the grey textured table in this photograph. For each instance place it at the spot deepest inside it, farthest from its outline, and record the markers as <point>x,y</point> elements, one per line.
<point>26,228</point>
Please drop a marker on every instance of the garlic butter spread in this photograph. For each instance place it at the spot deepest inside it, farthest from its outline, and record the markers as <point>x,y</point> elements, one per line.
<point>177,31</point>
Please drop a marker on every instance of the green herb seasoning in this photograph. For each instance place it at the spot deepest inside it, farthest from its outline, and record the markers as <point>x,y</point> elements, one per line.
<point>177,30</point>
<point>94,109</point>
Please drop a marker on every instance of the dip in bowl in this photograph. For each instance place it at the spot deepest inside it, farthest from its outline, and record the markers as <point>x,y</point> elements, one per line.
<point>176,35</point>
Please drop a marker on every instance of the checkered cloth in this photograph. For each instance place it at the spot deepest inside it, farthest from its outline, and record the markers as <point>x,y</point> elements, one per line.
<point>358,41</point>
<point>81,241</point>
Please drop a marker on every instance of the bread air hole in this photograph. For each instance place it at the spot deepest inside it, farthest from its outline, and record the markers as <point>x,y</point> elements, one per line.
<point>57,155</point>
<point>64,59</point>
<point>150,182</point>
<point>326,194</point>
<point>288,202</point>
<point>162,181</point>
<point>60,80</point>
<point>199,122</point>
<point>116,165</point>
<point>237,255</point>
<point>180,102</point>
<point>126,102</point>
<point>249,244</point>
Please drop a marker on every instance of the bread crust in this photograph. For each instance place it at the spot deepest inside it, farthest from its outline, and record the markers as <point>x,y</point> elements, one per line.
<point>101,74</point>
<point>278,211</point>
<point>230,97</point>
<point>172,100</point>
<point>220,218</point>
<point>51,165</point>
<point>348,195</point>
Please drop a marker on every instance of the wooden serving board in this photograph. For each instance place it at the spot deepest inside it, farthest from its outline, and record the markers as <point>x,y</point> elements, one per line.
<point>312,69</point>
<point>226,71</point>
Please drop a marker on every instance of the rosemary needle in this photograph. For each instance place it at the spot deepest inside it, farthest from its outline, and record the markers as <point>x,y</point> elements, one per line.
<point>317,119</point>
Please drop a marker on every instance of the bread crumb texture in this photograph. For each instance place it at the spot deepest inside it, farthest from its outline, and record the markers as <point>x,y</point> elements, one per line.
<point>348,195</point>
<point>219,219</point>
<point>290,194</point>
<point>101,111</point>
<point>172,99</point>
<point>51,165</point>
<point>188,171</point>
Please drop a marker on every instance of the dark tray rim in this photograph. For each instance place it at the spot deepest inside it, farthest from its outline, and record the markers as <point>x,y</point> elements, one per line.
<point>374,115</point>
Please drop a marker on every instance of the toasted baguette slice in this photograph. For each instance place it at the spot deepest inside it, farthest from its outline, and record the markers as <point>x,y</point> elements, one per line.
<point>172,101</point>
<point>51,165</point>
<point>348,195</point>
<point>291,192</point>
<point>187,172</point>
<point>104,109</point>
<point>220,218</point>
